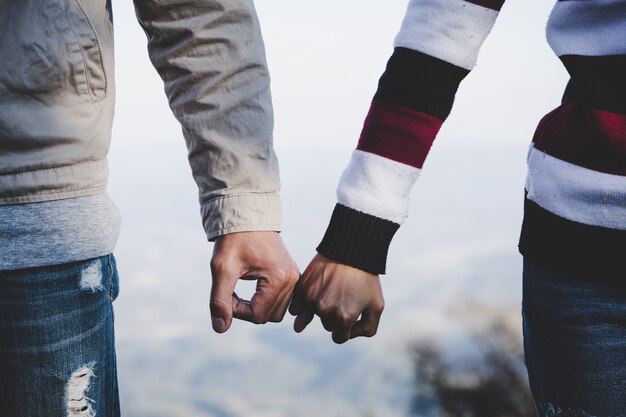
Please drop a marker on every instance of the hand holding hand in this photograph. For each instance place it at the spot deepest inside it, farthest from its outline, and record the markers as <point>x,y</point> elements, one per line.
<point>349,301</point>
<point>260,256</point>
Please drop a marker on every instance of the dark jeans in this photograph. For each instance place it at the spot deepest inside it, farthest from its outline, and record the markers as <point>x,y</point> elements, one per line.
<point>57,354</point>
<point>575,343</point>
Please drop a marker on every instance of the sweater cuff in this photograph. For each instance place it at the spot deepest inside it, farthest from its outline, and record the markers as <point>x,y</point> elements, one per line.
<point>358,239</point>
<point>241,213</point>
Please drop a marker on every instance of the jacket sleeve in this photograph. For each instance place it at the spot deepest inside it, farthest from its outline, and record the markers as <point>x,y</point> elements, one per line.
<point>211,57</point>
<point>436,48</point>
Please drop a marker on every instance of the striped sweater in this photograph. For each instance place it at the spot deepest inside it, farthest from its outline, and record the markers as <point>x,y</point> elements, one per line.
<point>575,206</point>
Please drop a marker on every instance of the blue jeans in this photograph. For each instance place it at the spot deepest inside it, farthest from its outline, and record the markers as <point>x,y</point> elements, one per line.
<point>575,343</point>
<point>57,354</point>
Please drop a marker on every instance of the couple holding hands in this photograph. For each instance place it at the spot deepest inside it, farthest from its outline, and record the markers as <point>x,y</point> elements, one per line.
<point>58,227</point>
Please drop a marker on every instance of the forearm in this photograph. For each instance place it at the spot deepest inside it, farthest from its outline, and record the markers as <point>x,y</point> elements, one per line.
<point>211,57</point>
<point>436,48</point>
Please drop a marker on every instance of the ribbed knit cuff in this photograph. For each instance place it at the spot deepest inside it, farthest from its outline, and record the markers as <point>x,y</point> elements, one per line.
<point>358,239</point>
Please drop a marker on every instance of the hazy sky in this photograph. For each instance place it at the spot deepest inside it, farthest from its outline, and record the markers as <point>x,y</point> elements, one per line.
<point>325,58</point>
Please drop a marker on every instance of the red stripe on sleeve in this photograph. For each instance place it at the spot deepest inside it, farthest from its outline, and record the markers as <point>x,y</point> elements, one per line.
<point>594,139</point>
<point>612,127</point>
<point>489,4</point>
<point>398,133</point>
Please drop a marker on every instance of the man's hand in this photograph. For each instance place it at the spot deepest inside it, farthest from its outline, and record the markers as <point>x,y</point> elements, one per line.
<point>260,256</point>
<point>349,301</point>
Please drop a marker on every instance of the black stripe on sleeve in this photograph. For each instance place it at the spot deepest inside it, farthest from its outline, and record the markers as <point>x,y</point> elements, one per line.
<point>600,81</point>
<point>570,92</point>
<point>358,239</point>
<point>579,250</point>
<point>420,82</point>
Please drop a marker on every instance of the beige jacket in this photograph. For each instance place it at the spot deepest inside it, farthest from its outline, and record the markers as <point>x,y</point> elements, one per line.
<point>57,93</point>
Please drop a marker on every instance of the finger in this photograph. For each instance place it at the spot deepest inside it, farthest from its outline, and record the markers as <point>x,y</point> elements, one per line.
<point>305,317</point>
<point>258,309</point>
<point>298,300</point>
<point>329,321</point>
<point>367,326</point>
<point>239,304</point>
<point>242,310</point>
<point>221,303</point>
<point>341,332</point>
<point>280,306</point>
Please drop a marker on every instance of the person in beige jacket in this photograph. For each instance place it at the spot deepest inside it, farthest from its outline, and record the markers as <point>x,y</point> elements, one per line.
<point>58,227</point>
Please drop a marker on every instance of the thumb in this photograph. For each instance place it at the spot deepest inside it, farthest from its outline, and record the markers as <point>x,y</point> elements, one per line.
<point>221,304</point>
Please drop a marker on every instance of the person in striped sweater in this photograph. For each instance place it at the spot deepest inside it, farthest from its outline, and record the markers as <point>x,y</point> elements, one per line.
<point>573,235</point>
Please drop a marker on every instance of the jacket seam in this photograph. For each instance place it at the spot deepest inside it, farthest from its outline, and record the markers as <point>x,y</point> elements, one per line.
<point>51,169</point>
<point>101,60</point>
<point>250,227</point>
<point>224,197</point>
<point>90,90</point>
<point>237,226</point>
<point>82,53</point>
<point>49,193</point>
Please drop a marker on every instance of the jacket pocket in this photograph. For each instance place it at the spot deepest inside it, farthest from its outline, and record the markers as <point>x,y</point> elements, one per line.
<point>92,77</point>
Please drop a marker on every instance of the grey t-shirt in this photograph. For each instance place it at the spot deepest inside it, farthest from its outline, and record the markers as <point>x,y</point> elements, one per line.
<point>57,232</point>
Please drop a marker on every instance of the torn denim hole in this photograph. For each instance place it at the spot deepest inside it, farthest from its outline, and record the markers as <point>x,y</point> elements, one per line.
<point>78,404</point>
<point>91,277</point>
<point>550,410</point>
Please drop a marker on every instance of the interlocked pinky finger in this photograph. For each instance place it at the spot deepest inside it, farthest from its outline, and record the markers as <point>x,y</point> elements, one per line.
<point>341,333</point>
<point>305,317</point>
<point>280,307</point>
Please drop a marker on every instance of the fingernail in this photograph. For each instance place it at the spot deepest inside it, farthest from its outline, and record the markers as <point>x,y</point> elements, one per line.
<point>219,325</point>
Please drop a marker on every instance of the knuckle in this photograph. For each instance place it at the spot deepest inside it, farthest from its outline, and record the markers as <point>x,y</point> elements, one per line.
<point>218,264</point>
<point>278,316</point>
<point>280,273</point>
<point>344,317</point>
<point>370,331</point>
<point>293,281</point>
<point>287,274</point>
<point>324,310</point>
<point>309,297</point>
<point>260,319</point>
<point>294,274</point>
<point>326,307</point>
<point>276,319</point>
<point>217,304</point>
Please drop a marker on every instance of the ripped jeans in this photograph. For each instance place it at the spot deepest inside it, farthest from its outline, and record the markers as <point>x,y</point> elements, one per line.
<point>57,354</point>
<point>575,343</point>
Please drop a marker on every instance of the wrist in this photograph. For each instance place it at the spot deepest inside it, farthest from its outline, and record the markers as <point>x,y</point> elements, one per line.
<point>358,239</point>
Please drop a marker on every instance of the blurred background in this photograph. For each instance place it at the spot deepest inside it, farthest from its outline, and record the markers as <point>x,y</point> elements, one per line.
<point>450,335</point>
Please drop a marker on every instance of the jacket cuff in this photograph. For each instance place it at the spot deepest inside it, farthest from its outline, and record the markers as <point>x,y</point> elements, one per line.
<point>358,239</point>
<point>241,213</point>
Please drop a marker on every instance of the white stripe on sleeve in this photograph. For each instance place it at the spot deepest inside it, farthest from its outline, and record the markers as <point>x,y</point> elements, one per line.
<point>451,30</point>
<point>378,186</point>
